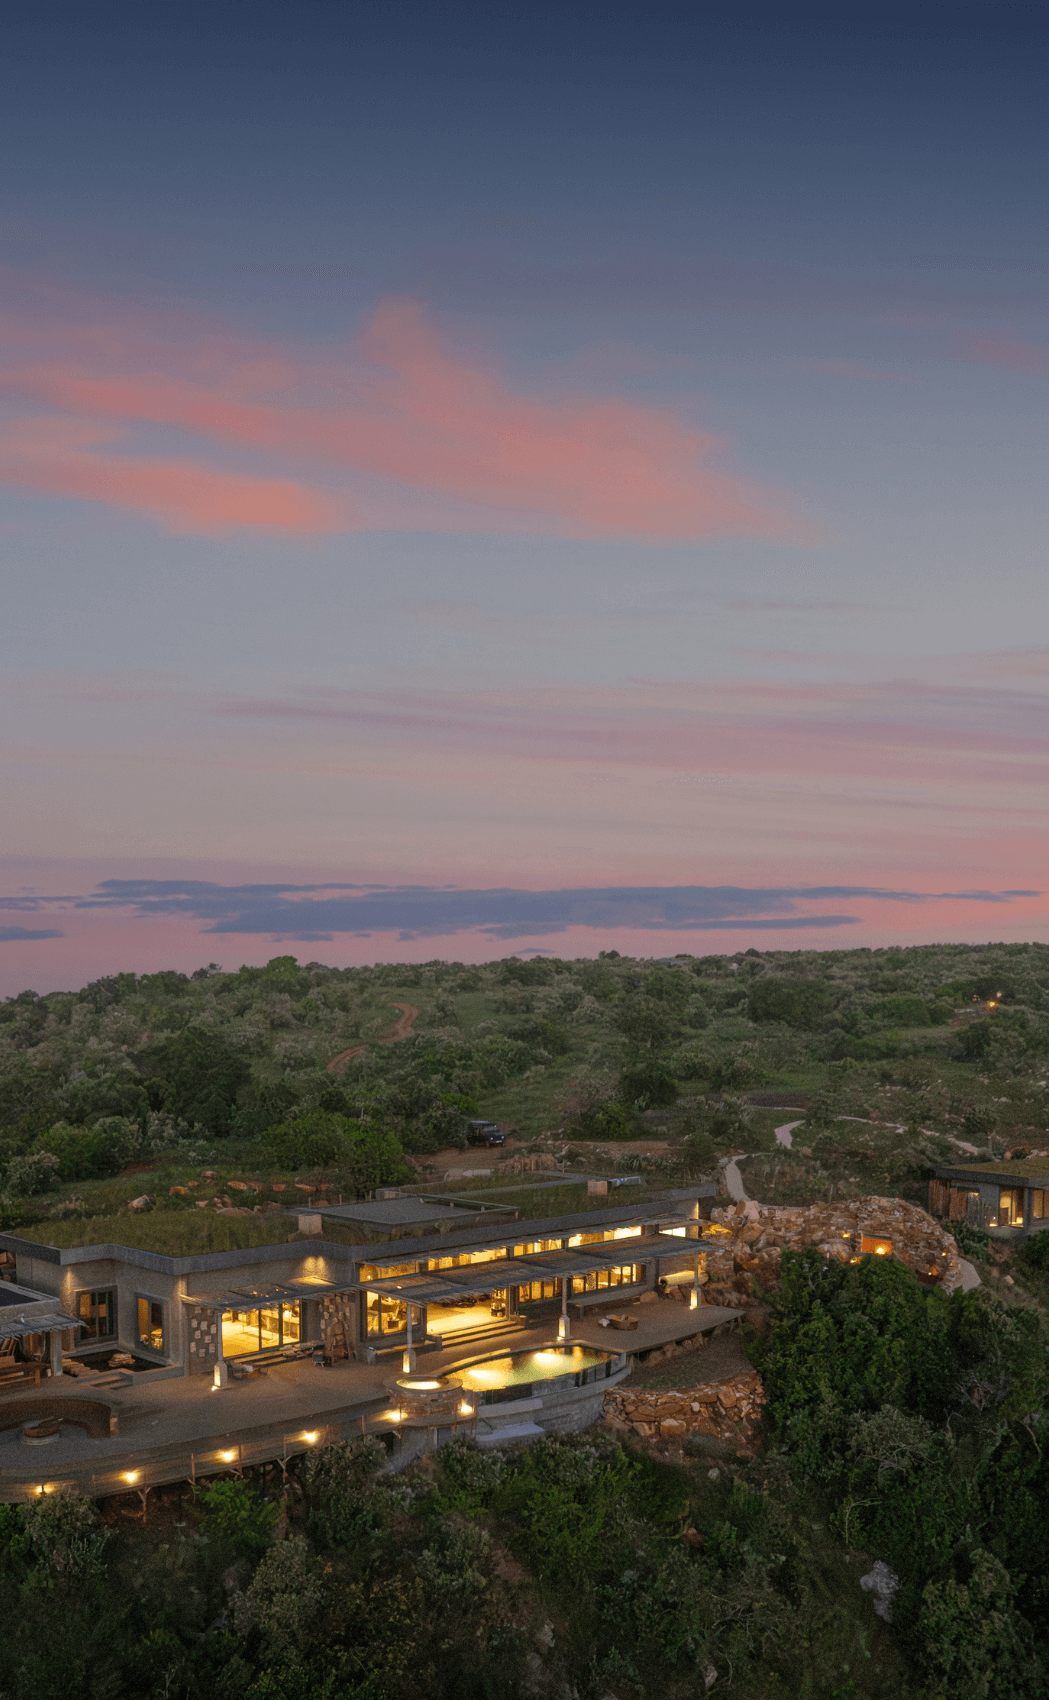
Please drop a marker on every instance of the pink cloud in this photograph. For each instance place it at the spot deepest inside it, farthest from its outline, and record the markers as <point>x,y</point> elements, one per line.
<point>396,429</point>
<point>55,456</point>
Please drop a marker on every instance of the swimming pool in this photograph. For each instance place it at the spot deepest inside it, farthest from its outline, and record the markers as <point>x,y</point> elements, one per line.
<point>516,1375</point>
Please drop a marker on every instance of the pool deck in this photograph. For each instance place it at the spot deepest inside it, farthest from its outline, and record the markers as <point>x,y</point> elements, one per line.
<point>172,1429</point>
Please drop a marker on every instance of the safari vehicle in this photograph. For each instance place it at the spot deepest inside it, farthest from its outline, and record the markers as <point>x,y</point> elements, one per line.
<point>484,1133</point>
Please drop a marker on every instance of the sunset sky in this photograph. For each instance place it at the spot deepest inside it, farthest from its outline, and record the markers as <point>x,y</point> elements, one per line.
<point>491,477</point>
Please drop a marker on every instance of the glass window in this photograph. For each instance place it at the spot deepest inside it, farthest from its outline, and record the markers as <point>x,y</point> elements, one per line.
<point>533,1291</point>
<point>151,1324</point>
<point>97,1314</point>
<point>246,1331</point>
<point>385,1315</point>
<point>1010,1207</point>
<point>600,1280</point>
<point>1038,1205</point>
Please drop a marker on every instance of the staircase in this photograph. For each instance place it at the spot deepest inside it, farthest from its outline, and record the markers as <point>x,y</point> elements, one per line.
<point>453,1338</point>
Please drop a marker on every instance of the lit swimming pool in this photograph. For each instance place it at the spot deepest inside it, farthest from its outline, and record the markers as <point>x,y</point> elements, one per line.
<point>514,1375</point>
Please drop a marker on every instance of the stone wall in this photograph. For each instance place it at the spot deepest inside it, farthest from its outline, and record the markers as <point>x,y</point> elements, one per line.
<point>728,1411</point>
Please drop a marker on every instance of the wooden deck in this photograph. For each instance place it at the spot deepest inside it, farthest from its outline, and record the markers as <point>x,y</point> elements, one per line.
<point>181,1429</point>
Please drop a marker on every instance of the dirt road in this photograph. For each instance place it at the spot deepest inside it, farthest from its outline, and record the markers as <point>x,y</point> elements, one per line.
<point>401,1029</point>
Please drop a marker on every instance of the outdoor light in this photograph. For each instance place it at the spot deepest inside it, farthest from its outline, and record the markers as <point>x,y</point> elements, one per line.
<point>131,1475</point>
<point>227,1457</point>
<point>466,1410</point>
<point>310,1439</point>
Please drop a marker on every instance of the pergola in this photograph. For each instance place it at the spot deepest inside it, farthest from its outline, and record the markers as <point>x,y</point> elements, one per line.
<point>36,1314</point>
<point>445,1285</point>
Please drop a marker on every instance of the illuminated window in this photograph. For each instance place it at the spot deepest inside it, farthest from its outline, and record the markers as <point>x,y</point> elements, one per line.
<point>97,1314</point>
<point>534,1291</point>
<point>385,1314</point>
<point>150,1324</point>
<point>600,1280</point>
<point>1038,1204</point>
<point>247,1331</point>
<point>879,1248</point>
<point>461,1261</point>
<point>1010,1207</point>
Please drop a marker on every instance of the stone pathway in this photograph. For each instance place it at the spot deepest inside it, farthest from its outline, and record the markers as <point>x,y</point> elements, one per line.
<point>784,1133</point>
<point>734,1180</point>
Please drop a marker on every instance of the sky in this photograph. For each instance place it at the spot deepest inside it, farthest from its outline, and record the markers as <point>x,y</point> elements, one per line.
<point>490,478</point>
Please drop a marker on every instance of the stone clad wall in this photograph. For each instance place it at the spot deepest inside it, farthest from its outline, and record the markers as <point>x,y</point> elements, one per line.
<point>202,1328</point>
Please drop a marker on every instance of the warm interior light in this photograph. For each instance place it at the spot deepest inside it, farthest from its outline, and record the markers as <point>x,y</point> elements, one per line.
<point>466,1410</point>
<point>227,1457</point>
<point>310,1439</point>
<point>131,1475</point>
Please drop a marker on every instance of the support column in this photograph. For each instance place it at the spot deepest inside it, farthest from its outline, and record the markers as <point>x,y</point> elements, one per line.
<point>564,1327</point>
<point>220,1374</point>
<point>54,1340</point>
<point>408,1359</point>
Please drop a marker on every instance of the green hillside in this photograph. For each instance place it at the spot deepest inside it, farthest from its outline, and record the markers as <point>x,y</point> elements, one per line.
<point>659,1066</point>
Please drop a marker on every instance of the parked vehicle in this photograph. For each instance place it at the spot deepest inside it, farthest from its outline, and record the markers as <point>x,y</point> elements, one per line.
<point>484,1133</point>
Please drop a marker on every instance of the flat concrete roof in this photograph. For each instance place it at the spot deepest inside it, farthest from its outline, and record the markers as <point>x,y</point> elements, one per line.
<point>665,1207</point>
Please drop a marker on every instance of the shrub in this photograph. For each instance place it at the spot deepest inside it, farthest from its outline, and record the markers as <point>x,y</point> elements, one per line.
<point>338,1480</point>
<point>1034,1252</point>
<point>903,1009</point>
<point>315,1140</point>
<point>282,1603</point>
<point>971,1642</point>
<point>237,1515</point>
<point>66,1534</point>
<point>797,1002</point>
<point>32,1173</point>
<point>647,1082</point>
<point>93,1153</point>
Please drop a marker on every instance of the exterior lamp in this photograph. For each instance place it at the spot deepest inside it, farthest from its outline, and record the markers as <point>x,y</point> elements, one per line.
<point>227,1457</point>
<point>131,1475</point>
<point>310,1439</point>
<point>466,1410</point>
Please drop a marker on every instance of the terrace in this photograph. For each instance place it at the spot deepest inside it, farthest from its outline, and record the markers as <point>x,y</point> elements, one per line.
<point>182,1429</point>
<point>304,1338</point>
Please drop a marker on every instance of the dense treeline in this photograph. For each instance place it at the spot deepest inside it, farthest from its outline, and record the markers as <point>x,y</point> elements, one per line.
<point>132,1066</point>
<point>901,1427</point>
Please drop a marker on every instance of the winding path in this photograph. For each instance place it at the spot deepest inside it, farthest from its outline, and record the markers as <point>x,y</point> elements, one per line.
<point>401,1029</point>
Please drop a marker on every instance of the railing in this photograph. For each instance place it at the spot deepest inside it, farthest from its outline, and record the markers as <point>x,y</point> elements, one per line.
<point>230,1457</point>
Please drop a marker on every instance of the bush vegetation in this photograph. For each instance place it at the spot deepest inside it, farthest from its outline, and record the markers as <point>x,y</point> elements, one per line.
<point>901,1426</point>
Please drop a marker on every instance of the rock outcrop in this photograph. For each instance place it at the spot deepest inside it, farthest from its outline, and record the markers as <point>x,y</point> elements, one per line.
<point>750,1239</point>
<point>727,1410</point>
